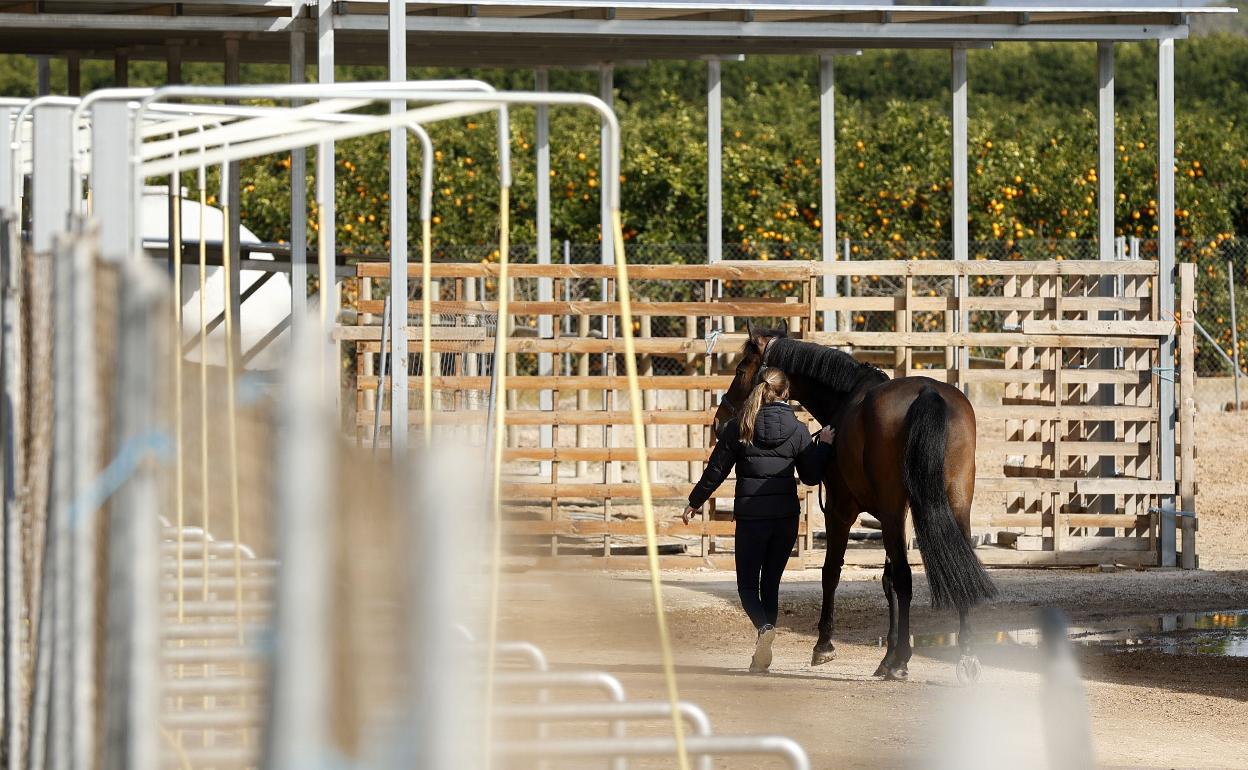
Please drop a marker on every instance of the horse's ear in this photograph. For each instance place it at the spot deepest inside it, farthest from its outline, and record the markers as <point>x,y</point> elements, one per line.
<point>758,337</point>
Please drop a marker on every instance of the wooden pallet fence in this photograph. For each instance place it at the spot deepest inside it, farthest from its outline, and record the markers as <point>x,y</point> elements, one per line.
<point>575,453</point>
<point>1059,358</point>
<point>1069,415</point>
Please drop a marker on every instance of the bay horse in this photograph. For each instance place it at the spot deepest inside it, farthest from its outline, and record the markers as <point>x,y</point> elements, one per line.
<point>907,442</point>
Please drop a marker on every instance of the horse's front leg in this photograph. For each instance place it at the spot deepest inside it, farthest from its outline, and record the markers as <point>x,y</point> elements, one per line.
<point>838,539</point>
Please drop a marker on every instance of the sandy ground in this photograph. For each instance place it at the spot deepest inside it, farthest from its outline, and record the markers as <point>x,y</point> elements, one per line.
<point>1146,709</point>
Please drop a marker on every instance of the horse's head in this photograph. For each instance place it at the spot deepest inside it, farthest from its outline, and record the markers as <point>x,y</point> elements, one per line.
<point>746,376</point>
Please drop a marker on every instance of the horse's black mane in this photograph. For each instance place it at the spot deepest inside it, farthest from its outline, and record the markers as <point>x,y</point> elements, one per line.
<point>828,366</point>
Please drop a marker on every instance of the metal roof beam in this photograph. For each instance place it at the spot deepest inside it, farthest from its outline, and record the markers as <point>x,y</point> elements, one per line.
<point>13,22</point>
<point>794,33</point>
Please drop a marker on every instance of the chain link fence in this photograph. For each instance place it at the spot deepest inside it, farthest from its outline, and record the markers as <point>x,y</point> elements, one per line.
<point>1221,300</point>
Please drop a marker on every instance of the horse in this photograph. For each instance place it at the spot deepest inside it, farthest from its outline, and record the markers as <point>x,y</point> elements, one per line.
<point>907,442</point>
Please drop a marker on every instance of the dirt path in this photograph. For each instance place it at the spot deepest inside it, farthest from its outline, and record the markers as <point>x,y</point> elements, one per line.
<point>1147,709</point>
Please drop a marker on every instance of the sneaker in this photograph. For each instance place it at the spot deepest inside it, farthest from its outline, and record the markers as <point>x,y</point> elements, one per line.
<point>762,650</point>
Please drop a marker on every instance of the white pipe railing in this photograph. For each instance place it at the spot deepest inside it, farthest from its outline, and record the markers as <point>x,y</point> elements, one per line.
<point>778,746</point>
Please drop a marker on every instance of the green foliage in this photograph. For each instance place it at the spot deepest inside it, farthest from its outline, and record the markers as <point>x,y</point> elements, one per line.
<point>1032,141</point>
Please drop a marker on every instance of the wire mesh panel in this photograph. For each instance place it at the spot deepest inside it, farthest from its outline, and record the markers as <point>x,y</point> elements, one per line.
<point>1221,299</point>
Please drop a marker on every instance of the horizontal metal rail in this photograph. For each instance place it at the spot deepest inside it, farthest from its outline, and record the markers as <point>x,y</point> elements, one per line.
<point>545,681</point>
<point>531,652</point>
<point>546,713</point>
<point>717,746</point>
<point>562,680</point>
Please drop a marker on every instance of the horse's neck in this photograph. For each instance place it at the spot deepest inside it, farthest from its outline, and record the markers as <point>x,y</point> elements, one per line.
<point>828,407</point>
<point>824,406</point>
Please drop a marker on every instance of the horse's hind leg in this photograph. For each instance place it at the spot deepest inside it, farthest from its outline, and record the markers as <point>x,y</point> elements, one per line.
<point>968,667</point>
<point>968,663</point>
<point>838,539</point>
<point>886,582</point>
<point>899,588</point>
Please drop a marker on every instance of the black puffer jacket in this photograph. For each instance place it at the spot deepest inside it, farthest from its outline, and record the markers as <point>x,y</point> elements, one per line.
<point>766,488</point>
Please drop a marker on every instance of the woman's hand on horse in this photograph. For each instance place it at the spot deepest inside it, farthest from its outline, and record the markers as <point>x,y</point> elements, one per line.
<point>689,513</point>
<point>827,434</point>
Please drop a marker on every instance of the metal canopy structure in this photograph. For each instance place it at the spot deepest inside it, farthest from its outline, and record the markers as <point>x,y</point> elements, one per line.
<point>555,32</point>
<point>571,33</point>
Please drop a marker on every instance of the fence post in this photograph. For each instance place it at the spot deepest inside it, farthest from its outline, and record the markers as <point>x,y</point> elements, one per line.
<point>304,487</point>
<point>827,180</point>
<point>1187,413</point>
<point>1230,278</point>
<point>846,252</point>
<point>567,297</point>
<point>545,285</point>
<point>714,164</point>
<point>131,694</point>
<point>582,395</point>
<point>81,519</point>
<point>14,463</point>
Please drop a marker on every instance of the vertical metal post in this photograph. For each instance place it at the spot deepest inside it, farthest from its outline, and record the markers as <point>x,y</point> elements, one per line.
<point>567,296</point>
<point>304,489</point>
<point>545,286</point>
<point>121,68</point>
<point>1166,278</point>
<point>58,544</point>
<point>131,697</point>
<point>83,526</point>
<point>827,182</point>
<point>714,164</point>
<point>298,187</point>
<point>233,223</point>
<point>325,201</point>
<point>1105,146</point>
<point>1230,279</point>
<point>73,75</point>
<point>606,92</point>
<point>50,184</point>
<point>14,417</point>
<point>961,241</point>
<point>436,657</point>
<point>111,134</point>
<point>7,171</point>
<point>1106,243</point>
<point>43,76</point>
<point>398,239</point>
<point>173,63</point>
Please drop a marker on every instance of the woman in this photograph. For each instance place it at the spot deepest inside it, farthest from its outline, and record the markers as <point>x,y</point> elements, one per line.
<point>765,442</point>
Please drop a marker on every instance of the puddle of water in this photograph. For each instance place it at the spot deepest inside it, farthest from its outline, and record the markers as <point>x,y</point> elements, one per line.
<point>1223,633</point>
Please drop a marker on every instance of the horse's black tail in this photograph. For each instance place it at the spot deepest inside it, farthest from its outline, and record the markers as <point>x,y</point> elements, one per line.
<point>954,574</point>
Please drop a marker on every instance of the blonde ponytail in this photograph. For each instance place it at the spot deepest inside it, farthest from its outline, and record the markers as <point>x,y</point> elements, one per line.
<point>774,386</point>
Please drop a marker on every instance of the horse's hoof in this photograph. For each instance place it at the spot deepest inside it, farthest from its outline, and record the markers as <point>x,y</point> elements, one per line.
<point>819,657</point>
<point>898,674</point>
<point>882,670</point>
<point>967,670</point>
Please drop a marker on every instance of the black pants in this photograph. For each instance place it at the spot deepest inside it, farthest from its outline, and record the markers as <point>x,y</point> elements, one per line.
<point>763,548</point>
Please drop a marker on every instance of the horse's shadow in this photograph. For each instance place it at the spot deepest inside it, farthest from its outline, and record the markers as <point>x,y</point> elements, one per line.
<point>807,674</point>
